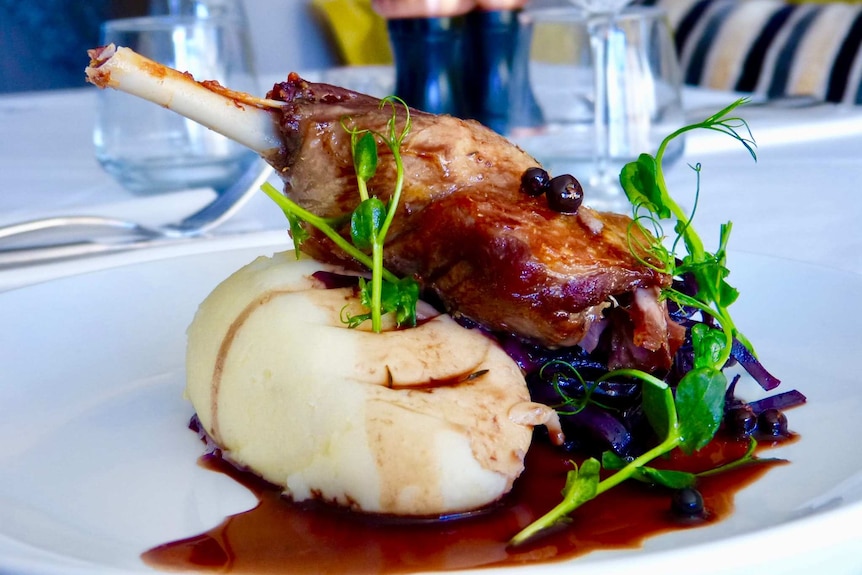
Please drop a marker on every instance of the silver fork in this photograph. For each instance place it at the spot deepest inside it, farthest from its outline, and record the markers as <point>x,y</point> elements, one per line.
<point>111,234</point>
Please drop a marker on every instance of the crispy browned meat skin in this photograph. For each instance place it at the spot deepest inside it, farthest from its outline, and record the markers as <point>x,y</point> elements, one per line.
<point>491,253</point>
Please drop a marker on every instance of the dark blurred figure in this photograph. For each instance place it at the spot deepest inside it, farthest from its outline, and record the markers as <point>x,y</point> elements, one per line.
<point>43,43</point>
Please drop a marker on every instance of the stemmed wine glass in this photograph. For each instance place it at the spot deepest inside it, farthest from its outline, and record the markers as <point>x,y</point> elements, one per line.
<point>602,28</point>
<point>593,86</point>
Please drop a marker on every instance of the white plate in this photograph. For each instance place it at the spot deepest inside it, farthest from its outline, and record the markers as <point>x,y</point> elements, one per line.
<point>96,464</point>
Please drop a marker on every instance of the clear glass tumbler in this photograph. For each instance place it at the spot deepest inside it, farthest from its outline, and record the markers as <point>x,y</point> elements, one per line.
<point>149,149</point>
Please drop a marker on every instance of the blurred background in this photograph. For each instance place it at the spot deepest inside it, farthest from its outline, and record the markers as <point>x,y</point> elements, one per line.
<point>774,47</point>
<point>43,43</point>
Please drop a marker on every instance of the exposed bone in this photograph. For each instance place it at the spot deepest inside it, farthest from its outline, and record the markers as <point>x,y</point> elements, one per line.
<point>236,115</point>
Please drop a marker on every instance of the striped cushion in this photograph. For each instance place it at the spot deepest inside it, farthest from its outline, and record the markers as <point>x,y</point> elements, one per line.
<point>770,47</point>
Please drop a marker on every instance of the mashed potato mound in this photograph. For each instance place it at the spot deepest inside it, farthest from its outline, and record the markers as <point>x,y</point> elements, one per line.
<point>424,421</point>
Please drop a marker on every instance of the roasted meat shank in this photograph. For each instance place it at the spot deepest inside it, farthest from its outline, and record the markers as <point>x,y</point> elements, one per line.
<point>490,253</point>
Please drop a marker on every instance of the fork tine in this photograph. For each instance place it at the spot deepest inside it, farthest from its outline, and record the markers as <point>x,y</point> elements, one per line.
<point>228,202</point>
<point>31,226</point>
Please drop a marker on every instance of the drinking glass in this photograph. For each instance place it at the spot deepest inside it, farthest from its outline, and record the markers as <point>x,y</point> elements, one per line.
<point>603,31</point>
<point>149,149</point>
<point>591,91</point>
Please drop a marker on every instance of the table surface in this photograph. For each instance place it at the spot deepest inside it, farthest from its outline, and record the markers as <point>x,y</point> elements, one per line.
<point>800,200</point>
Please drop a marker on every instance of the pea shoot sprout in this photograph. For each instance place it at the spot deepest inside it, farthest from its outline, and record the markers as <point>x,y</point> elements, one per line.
<point>644,184</point>
<point>689,416</point>
<point>369,223</point>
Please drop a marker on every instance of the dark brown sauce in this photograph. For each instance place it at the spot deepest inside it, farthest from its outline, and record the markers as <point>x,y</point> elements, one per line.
<point>280,537</point>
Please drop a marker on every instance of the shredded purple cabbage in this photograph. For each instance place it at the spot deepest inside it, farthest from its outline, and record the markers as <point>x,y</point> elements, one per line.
<point>782,401</point>
<point>598,425</point>
<point>597,416</point>
<point>332,280</point>
<point>753,366</point>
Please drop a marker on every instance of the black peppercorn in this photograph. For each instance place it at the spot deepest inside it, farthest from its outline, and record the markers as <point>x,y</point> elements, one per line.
<point>772,423</point>
<point>565,194</point>
<point>534,181</point>
<point>687,503</point>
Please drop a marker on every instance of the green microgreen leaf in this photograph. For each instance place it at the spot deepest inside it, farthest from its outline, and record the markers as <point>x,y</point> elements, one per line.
<point>581,486</point>
<point>400,297</point>
<point>612,461</point>
<point>700,406</point>
<point>365,297</point>
<point>365,156</point>
<point>658,406</point>
<point>365,223</point>
<point>397,297</point>
<point>297,231</point>
<point>708,345</point>
<point>670,478</point>
<point>638,180</point>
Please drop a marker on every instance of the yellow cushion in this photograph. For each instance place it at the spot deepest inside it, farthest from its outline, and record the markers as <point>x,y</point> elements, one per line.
<point>359,32</point>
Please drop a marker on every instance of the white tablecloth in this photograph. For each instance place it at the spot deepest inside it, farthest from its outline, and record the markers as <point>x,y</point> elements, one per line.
<point>800,200</point>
